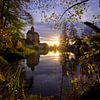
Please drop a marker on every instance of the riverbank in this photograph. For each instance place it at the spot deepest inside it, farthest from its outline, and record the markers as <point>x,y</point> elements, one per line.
<point>27,51</point>
<point>15,56</point>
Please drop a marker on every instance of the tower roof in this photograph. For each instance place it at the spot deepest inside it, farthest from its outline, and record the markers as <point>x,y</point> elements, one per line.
<point>32,28</point>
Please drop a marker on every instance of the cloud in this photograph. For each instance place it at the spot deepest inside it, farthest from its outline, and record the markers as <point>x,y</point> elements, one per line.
<point>46,32</point>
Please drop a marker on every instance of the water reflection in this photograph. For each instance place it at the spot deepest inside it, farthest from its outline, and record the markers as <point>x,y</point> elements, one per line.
<point>33,60</point>
<point>45,78</point>
<point>68,64</point>
<point>65,79</point>
<point>53,53</point>
<point>48,73</point>
<point>27,75</point>
<point>58,74</point>
<point>41,72</point>
<point>28,66</point>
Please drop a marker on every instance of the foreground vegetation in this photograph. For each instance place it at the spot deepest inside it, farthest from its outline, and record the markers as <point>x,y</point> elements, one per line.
<point>86,62</point>
<point>11,84</point>
<point>13,17</point>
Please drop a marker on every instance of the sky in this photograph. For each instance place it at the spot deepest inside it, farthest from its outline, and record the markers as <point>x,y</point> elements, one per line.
<point>47,33</point>
<point>50,35</point>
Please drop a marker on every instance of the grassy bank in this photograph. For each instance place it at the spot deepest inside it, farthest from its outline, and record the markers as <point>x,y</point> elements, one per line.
<point>26,51</point>
<point>15,55</point>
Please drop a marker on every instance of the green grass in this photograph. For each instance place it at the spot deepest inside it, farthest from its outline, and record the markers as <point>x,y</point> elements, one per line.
<point>28,51</point>
<point>25,51</point>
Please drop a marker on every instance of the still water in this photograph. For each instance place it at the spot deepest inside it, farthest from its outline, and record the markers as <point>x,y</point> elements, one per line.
<point>57,74</point>
<point>43,74</point>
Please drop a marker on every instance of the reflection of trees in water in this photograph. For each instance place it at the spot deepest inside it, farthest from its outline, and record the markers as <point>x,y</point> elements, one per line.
<point>68,72</point>
<point>68,63</point>
<point>43,52</point>
<point>79,75</point>
<point>28,83</point>
<point>26,75</point>
<point>33,60</point>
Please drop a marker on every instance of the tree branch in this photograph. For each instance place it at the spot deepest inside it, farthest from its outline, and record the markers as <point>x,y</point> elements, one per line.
<point>91,25</point>
<point>72,7</point>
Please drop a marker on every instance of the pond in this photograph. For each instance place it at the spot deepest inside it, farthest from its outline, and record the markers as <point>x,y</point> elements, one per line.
<point>56,74</point>
<point>43,74</point>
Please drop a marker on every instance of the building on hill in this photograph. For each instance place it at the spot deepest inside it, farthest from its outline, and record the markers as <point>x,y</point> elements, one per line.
<point>32,38</point>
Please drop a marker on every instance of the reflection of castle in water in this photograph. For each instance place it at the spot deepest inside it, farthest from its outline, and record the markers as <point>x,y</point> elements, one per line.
<point>27,66</point>
<point>33,60</point>
<point>27,75</point>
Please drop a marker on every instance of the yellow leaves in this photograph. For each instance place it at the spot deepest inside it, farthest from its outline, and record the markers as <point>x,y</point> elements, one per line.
<point>89,71</point>
<point>77,12</point>
<point>8,38</point>
<point>19,45</point>
<point>67,73</point>
<point>2,77</point>
<point>91,68</point>
<point>75,80</point>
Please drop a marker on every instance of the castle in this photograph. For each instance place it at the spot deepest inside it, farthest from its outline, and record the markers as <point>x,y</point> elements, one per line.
<point>32,38</point>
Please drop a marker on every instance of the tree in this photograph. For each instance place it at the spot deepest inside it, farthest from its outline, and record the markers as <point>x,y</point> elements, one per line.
<point>71,9</point>
<point>13,16</point>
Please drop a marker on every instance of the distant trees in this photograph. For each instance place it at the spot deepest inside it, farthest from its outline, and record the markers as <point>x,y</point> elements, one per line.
<point>54,47</point>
